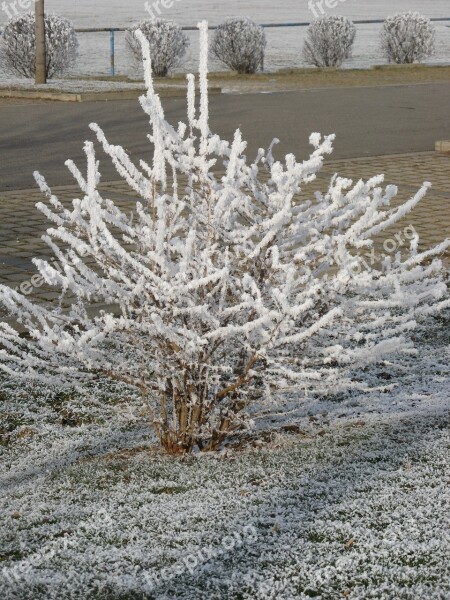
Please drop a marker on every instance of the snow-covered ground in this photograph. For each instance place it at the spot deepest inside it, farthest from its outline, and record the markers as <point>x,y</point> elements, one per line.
<point>69,85</point>
<point>352,501</point>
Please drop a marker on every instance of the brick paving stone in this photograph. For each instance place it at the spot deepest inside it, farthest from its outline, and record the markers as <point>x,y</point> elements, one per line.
<point>431,217</point>
<point>410,170</point>
<point>22,225</point>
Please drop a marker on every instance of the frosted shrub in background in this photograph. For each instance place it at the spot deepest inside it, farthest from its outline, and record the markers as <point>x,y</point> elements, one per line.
<point>168,44</point>
<point>18,46</point>
<point>329,41</point>
<point>240,44</point>
<point>219,292</point>
<point>407,38</point>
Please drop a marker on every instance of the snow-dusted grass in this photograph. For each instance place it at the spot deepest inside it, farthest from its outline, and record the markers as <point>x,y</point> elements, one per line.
<point>354,502</point>
<point>72,86</point>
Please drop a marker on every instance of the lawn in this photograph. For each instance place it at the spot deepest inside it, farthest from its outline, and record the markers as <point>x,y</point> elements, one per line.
<point>351,499</point>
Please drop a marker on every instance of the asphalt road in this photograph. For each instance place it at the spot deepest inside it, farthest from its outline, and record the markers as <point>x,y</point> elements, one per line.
<point>367,121</point>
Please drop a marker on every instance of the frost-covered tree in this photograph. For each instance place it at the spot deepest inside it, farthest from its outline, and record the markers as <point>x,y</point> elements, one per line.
<point>168,44</point>
<point>240,44</point>
<point>329,41</point>
<point>220,291</point>
<point>407,38</point>
<point>18,46</point>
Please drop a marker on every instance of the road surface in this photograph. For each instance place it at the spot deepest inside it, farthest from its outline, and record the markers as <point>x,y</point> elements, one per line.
<point>367,121</point>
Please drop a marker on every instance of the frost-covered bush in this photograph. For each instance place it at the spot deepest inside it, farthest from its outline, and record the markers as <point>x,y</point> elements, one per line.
<point>407,38</point>
<point>18,46</point>
<point>219,292</point>
<point>329,41</point>
<point>168,44</point>
<point>240,43</point>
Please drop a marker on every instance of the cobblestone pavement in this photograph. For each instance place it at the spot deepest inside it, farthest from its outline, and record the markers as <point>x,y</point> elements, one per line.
<point>21,225</point>
<point>431,217</point>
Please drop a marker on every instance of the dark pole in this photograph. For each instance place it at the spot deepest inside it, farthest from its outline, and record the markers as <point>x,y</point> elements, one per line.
<point>41,75</point>
<point>112,52</point>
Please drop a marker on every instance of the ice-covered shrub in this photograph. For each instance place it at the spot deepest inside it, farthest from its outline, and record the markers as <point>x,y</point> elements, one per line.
<point>329,41</point>
<point>240,44</point>
<point>407,38</point>
<point>18,45</point>
<point>168,44</point>
<point>219,292</point>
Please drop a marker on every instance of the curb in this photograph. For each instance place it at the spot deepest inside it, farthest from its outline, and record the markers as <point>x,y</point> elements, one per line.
<point>166,92</point>
<point>443,147</point>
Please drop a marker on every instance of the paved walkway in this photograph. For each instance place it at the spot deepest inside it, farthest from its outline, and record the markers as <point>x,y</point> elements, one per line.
<point>21,225</point>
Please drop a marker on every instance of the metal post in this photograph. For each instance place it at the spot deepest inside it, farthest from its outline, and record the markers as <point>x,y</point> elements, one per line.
<point>112,52</point>
<point>41,68</point>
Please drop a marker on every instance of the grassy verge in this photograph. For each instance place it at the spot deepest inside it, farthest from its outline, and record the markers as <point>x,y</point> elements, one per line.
<point>316,78</point>
<point>350,500</point>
